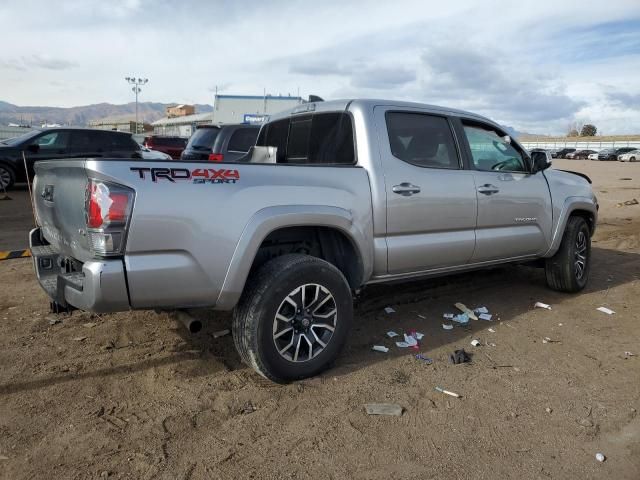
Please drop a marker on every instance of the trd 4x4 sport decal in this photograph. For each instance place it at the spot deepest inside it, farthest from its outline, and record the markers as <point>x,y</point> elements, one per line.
<point>197,175</point>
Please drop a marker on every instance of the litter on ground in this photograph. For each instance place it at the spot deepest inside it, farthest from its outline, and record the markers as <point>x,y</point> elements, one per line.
<point>492,330</point>
<point>221,333</point>
<point>447,326</point>
<point>463,318</point>
<point>475,343</point>
<point>463,308</point>
<point>426,360</point>
<point>389,310</point>
<point>448,315</point>
<point>542,305</point>
<point>459,356</point>
<point>600,457</point>
<point>392,334</point>
<point>485,316</point>
<point>380,348</point>
<point>422,317</point>
<point>383,409</point>
<point>447,392</point>
<point>418,335</point>
<point>606,310</point>
<point>481,310</point>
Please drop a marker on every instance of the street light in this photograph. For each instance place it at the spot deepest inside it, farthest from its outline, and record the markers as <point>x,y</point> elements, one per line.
<point>136,82</point>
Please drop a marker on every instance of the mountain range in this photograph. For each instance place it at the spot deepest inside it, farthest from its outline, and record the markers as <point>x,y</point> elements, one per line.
<point>82,115</point>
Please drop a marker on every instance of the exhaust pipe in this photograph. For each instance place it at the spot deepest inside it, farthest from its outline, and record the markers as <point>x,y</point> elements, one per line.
<point>193,325</point>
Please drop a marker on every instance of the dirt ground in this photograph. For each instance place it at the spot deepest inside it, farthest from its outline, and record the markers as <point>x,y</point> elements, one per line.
<point>132,395</point>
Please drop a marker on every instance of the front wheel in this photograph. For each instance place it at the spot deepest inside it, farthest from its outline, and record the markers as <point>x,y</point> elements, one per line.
<point>293,317</point>
<point>7,177</point>
<point>568,269</point>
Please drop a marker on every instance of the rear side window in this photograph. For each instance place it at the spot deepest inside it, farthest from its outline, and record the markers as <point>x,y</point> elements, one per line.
<point>422,140</point>
<point>321,138</point>
<point>243,139</point>
<point>121,141</point>
<point>203,138</point>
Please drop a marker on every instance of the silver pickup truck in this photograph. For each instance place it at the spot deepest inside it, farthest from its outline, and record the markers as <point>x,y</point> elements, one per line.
<point>335,196</point>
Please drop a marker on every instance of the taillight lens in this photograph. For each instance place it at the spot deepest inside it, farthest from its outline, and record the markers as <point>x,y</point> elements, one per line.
<point>108,209</point>
<point>216,157</point>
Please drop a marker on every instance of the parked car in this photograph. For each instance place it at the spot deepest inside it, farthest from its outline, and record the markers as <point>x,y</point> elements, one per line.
<point>221,143</point>
<point>285,246</point>
<point>149,154</point>
<point>563,152</point>
<point>593,156</point>
<point>612,154</point>
<point>172,146</point>
<point>579,154</point>
<point>632,156</point>
<point>58,143</point>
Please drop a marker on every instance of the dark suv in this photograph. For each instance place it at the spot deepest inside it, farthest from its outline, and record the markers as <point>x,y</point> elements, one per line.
<point>58,143</point>
<point>612,154</point>
<point>563,152</point>
<point>221,143</point>
<point>172,146</point>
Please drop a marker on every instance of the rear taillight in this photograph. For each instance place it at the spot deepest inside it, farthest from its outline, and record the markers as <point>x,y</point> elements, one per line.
<point>216,157</point>
<point>108,209</point>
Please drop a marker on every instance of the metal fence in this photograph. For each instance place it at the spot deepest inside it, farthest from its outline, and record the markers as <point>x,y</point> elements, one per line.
<point>10,132</point>
<point>590,145</point>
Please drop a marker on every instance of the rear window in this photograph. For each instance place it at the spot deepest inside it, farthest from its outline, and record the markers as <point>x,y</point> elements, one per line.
<point>203,138</point>
<point>243,139</point>
<point>168,141</point>
<point>321,138</point>
<point>121,141</point>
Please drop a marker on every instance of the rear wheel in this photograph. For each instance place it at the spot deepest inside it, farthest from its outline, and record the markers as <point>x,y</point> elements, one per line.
<point>7,177</point>
<point>293,317</point>
<point>632,159</point>
<point>568,269</point>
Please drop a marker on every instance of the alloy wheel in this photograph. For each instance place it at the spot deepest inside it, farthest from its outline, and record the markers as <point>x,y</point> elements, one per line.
<point>305,322</point>
<point>580,257</point>
<point>5,178</point>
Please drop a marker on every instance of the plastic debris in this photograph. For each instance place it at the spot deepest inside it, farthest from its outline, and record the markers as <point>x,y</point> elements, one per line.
<point>463,319</point>
<point>463,308</point>
<point>410,340</point>
<point>629,354</point>
<point>475,343</point>
<point>383,409</point>
<point>491,344</point>
<point>402,345</point>
<point>426,360</point>
<point>418,335</point>
<point>389,310</point>
<point>447,326</point>
<point>600,457</point>
<point>459,356</point>
<point>392,334</point>
<point>548,410</point>
<point>380,348</point>
<point>448,316</point>
<point>481,310</point>
<point>221,333</point>
<point>542,305</point>
<point>447,392</point>
<point>485,316</point>
<point>79,339</point>
<point>422,317</point>
<point>606,310</point>
<point>492,330</point>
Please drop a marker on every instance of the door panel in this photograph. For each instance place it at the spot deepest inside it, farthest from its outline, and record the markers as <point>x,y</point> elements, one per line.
<point>514,206</point>
<point>431,212</point>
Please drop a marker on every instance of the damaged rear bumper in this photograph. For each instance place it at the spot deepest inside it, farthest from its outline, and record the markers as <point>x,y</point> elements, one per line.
<point>99,287</point>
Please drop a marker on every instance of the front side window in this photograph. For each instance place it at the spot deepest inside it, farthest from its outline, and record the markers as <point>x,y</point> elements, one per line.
<point>53,140</point>
<point>321,138</point>
<point>491,152</point>
<point>422,140</point>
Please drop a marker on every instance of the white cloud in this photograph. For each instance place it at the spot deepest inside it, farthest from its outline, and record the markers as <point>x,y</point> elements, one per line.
<point>534,66</point>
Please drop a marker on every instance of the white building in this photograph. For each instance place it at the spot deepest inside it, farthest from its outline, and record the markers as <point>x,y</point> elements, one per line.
<point>227,109</point>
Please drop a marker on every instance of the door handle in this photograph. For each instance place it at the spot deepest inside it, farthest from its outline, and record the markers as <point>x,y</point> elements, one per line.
<point>488,189</point>
<point>406,189</point>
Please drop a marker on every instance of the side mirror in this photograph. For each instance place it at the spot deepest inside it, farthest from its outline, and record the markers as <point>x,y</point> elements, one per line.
<point>541,161</point>
<point>33,148</point>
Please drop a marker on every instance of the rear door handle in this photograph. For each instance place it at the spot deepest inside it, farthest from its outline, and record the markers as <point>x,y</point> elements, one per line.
<point>488,189</point>
<point>406,189</point>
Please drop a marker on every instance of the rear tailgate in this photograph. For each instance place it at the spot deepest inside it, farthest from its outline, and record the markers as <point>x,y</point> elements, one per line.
<point>59,195</point>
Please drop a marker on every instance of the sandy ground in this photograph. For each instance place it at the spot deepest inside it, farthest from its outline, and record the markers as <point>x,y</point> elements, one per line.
<point>133,396</point>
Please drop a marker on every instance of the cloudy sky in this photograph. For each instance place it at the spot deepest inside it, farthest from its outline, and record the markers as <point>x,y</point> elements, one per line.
<point>536,66</point>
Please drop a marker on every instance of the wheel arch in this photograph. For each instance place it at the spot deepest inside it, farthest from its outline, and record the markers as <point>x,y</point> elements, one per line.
<point>327,232</point>
<point>573,206</point>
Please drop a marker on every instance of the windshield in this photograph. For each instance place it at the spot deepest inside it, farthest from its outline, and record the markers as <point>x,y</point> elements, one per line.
<point>18,140</point>
<point>203,138</point>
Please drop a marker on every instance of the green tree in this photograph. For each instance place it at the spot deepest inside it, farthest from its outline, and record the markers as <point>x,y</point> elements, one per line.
<point>588,130</point>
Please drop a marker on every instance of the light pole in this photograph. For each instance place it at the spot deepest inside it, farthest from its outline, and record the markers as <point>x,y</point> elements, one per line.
<point>136,82</point>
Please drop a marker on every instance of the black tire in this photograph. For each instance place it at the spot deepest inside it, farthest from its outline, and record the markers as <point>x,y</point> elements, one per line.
<point>7,177</point>
<point>561,270</point>
<point>632,159</point>
<point>264,296</point>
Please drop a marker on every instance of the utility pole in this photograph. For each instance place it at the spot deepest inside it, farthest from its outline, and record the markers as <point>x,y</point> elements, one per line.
<point>136,82</point>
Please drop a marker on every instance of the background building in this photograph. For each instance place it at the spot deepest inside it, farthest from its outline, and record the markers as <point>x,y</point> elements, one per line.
<point>227,109</point>
<point>180,110</point>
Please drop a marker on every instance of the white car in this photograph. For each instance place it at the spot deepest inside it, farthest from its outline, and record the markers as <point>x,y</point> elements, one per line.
<point>149,154</point>
<point>593,156</point>
<point>632,156</point>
